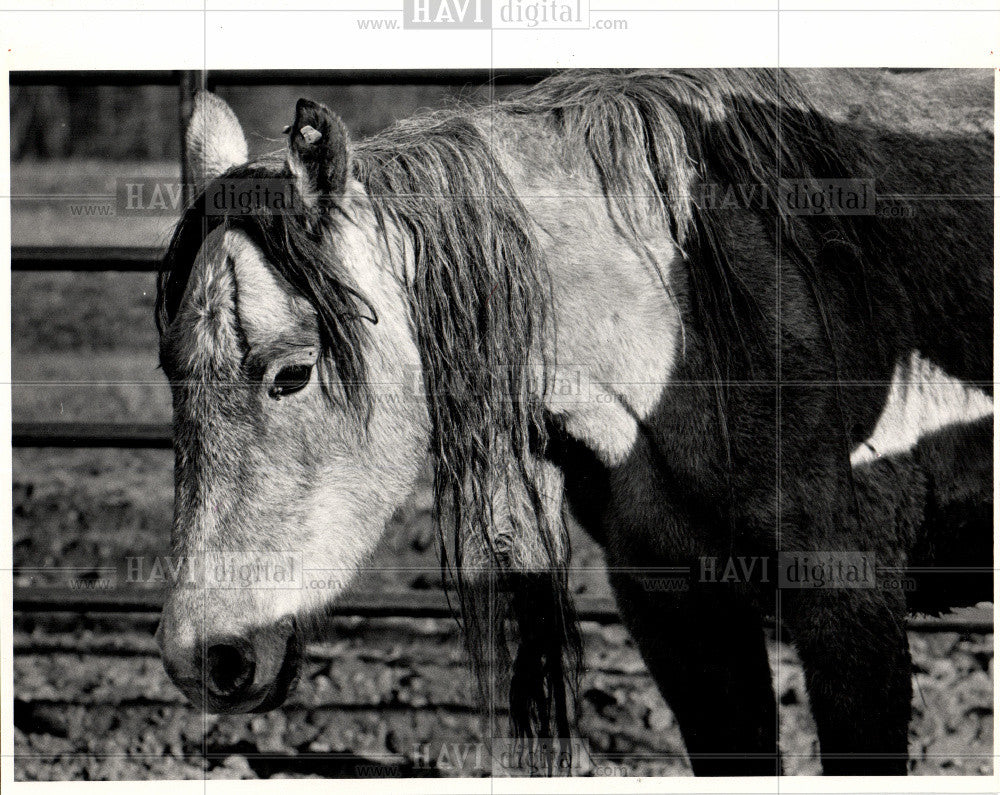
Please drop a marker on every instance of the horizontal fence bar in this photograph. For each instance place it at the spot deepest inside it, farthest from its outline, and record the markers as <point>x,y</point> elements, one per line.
<point>380,604</point>
<point>377,604</point>
<point>41,599</point>
<point>981,622</point>
<point>138,435</point>
<point>278,77</point>
<point>289,708</point>
<point>95,77</point>
<point>86,258</point>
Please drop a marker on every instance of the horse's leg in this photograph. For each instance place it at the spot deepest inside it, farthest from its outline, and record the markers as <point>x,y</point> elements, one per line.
<point>853,645</point>
<point>706,652</point>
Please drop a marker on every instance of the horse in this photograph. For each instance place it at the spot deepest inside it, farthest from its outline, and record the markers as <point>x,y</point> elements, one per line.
<point>728,321</point>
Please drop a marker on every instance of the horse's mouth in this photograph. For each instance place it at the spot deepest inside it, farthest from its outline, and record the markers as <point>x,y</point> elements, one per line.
<point>287,678</point>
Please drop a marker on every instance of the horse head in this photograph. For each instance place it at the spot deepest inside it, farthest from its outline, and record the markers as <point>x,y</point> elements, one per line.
<point>286,340</point>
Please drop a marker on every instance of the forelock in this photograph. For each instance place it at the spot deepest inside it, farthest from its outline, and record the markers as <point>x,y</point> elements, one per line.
<point>208,339</point>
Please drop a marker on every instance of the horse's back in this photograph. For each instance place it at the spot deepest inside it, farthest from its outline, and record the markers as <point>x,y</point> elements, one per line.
<point>919,101</point>
<point>928,135</point>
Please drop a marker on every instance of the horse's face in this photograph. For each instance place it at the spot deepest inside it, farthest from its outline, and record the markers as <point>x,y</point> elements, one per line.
<point>280,493</point>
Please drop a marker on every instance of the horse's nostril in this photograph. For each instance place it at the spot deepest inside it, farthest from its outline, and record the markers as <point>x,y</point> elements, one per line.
<point>229,669</point>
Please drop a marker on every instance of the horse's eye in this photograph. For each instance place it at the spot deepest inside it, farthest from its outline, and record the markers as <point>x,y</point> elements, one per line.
<point>290,380</point>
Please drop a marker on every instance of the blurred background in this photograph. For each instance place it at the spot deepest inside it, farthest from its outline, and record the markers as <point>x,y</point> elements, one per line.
<point>380,697</point>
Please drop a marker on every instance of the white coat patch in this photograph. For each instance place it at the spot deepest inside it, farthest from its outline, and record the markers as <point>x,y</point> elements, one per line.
<point>922,399</point>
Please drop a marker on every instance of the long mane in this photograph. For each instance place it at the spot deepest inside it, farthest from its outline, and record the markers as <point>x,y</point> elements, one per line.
<point>479,294</point>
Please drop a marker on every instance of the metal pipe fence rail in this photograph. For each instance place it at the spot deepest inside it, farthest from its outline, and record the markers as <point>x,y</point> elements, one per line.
<point>94,259</point>
<point>381,604</point>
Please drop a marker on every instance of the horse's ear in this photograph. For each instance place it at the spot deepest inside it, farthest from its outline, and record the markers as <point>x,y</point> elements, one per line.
<point>214,141</point>
<point>317,153</point>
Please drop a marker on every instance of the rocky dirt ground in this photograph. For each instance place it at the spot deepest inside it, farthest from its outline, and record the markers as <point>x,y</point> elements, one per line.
<point>384,697</point>
<point>391,698</point>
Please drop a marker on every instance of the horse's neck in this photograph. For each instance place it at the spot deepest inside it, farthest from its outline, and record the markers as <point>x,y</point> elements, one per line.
<point>615,331</point>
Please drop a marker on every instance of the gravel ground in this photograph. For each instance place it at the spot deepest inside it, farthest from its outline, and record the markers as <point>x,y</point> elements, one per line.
<point>391,698</point>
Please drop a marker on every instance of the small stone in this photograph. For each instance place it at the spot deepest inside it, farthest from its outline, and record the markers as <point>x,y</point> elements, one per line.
<point>659,719</point>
